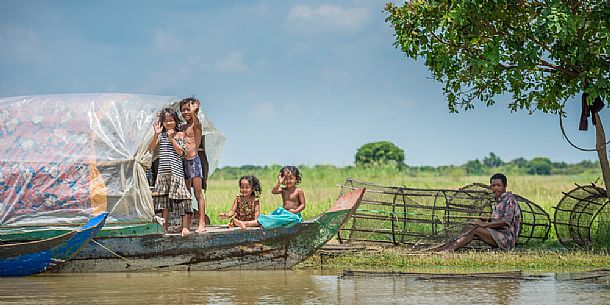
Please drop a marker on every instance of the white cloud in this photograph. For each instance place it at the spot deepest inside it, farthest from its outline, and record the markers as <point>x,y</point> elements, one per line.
<point>165,41</point>
<point>263,110</point>
<point>327,18</point>
<point>233,63</point>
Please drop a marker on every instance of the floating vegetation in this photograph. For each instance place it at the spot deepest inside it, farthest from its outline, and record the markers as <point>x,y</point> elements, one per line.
<point>423,276</point>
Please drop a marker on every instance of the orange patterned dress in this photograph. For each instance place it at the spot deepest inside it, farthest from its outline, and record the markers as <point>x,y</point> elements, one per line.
<point>245,211</point>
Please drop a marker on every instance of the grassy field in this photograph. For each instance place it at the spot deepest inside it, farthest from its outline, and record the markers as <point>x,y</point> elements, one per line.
<point>320,186</point>
<point>399,259</point>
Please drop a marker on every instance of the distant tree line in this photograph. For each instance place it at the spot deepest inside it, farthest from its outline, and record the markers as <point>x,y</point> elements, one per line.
<point>487,166</point>
<point>385,158</point>
<point>388,154</point>
<point>535,166</point>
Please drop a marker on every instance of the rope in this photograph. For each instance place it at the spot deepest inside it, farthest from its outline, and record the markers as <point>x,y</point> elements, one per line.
<point>418,243</point>
<point>129,262</point>
<point>381,225</point>
<point>442,246</point>
<point>387,212</point>
<point>563,132</point>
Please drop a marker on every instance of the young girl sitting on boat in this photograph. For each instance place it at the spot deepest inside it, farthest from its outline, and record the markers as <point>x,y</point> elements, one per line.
<point>170,186</point>
<point>246,206</point>
<point>293,200</point>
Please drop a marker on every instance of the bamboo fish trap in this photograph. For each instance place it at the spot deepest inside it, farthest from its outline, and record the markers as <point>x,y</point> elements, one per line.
<point>582,218</point>
<point>428,217</point>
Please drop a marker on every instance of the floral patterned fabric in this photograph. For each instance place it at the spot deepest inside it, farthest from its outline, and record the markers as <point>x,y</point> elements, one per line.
<point>246,210</point>
<point>506,209</point>
<point>44,162</point>
<point>27,189</point>
<point>50,132</point>
<point>64,157</point>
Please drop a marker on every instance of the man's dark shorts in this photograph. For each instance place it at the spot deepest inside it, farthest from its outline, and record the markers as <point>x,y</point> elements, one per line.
<point>192,168</point>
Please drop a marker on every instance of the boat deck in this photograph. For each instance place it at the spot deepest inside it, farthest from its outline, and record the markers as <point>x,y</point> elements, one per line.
<point>211,229</point>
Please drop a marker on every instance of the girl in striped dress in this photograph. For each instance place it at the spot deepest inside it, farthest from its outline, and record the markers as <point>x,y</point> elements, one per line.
<point>170,186</point>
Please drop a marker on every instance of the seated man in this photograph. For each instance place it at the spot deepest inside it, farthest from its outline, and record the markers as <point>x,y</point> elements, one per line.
<point>502,229</point>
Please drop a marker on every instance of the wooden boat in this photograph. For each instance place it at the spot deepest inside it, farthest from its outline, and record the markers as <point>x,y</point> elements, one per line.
<point>220,248</point>
<point>89,153</point>
<point>21,259</point>
<point>64,158</point>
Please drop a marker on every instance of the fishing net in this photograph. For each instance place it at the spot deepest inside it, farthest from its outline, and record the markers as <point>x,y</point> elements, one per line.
<point>582,218</point>
<point>429,217</point>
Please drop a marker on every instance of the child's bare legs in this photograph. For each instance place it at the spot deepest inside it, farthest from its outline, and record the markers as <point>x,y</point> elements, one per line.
<point>196,183</point>
<point>189,220</point>
<point>245,224</point>
<point>186,224</point>
<point>165,216</point>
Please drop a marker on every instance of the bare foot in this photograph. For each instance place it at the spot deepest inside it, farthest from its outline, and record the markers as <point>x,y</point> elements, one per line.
<point>239,223</point>
<point>185,232</point>
<point>200,230</point>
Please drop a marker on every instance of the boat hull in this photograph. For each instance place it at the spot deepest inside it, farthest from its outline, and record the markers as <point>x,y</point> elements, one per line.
<point>21,259</point>
<point>219,249</point>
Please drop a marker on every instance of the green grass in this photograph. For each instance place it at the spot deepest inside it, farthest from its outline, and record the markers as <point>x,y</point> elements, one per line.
<point>319,184</point>
<point>400,259</point>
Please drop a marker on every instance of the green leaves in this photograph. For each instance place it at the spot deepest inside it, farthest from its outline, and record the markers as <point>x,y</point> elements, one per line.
<point>377,153</point>
<point>540,52</point>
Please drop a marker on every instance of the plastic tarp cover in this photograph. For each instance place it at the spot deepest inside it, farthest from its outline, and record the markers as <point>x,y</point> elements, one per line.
<point>66,157</point>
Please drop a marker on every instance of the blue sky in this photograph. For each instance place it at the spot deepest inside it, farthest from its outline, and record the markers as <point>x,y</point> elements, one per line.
<point>287,82</point>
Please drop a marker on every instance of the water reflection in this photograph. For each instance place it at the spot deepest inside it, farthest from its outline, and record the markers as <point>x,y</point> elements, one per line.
<point>291,287</point>
<point>270,287</point>
<point>404,290</point>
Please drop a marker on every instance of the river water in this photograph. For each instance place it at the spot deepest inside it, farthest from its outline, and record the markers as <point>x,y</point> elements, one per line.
<point>294,287</point>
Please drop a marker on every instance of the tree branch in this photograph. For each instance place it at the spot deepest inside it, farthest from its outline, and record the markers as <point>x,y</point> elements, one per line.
<point>569,73</point>
<point>548,50</point>
<point>466,49</point>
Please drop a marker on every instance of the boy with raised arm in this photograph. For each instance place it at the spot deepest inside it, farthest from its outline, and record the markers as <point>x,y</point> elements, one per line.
<point>193,131</point>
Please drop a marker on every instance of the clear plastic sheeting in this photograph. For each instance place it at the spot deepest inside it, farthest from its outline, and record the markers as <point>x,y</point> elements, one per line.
<point>66,157</point>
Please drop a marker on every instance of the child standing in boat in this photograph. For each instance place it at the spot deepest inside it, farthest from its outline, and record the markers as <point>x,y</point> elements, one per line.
<point>189,108</point>
<point>246,206</point>
<point>293,200</point>
<point>170,185</point>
